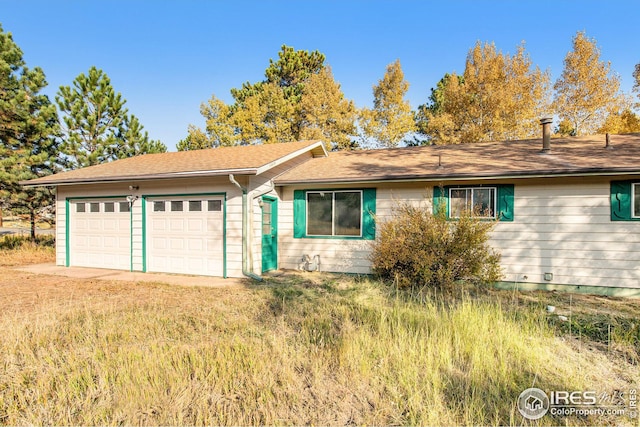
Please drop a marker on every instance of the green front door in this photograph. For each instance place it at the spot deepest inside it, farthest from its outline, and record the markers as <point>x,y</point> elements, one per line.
<point>269,233</point>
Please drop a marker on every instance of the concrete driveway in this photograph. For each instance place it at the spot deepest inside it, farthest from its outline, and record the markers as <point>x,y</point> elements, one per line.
<point>104,274</point>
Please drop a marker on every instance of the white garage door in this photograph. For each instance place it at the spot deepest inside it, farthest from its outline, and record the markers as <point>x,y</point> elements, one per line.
<point>99,234</point>
<point>185,235</point>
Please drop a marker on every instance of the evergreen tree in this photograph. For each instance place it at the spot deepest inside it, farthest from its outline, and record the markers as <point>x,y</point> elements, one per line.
<point>97,127</point>
<point>391,118</point>
<point>636,77</point>
<point>587,91</point>
<point>286,106</point>
<point>326,114</point>
<point>28,127</point>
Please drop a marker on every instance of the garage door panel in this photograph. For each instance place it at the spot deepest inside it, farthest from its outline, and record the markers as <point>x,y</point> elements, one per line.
<point>188,241</point>
<point>158,243</point>
<point>158,225</point>
<point>195,224</point>
<point>177,224</point>
<point>110,225</point>
<point>111,242</point>
<point>214,226</point>
<point>99,236</point>
<point>195,244</point>
<point>176,244</point>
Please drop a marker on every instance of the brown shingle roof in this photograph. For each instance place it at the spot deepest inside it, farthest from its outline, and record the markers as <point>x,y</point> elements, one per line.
<point>239,159</point>
<point>568,156</point>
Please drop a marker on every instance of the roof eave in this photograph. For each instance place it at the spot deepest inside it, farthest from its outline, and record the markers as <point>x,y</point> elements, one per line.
<point>462,176</point>
<point>317,150</point>
<point>127,178</point>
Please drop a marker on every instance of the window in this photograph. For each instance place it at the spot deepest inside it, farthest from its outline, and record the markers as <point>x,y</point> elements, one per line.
<point>94,207</point>
<point>159,206</point>
<point>176,206</point>
<point>195,205</point>
<point>343,214</point>
<point>109,207</point>
<point>480,200</point>
<point>214,205</point>
<point>488,202</point>
<point>125,207</point>
<point>333,213</point>
<point>80,207</point>
<point>625,201</point>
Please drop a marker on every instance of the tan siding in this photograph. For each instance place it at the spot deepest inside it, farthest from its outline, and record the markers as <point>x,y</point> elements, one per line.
<point>562,226</point>
<point>61,231</point>
<point>340,255</point>
<point>136,214</point>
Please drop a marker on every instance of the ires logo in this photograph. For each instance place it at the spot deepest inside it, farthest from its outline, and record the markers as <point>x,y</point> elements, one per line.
<point>534,403</point>
<point>574,398</point>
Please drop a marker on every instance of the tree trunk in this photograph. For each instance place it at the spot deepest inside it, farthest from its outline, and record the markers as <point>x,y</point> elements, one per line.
<point>0,217</point>
<point>33,226</point>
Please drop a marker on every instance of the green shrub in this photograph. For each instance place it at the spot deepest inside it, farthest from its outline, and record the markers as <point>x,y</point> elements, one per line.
<point>416,248</point>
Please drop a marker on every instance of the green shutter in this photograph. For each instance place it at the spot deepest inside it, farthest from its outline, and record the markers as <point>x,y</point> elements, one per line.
<point>440,200</point>
<point>368,214</point>
<point>505,202</point>
<point>299,213</point>
<point>621,201</point>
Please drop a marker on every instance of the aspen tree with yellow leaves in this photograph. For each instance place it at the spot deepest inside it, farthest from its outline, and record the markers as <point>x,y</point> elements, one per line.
<point>498,97</point>
<point>587,91</point>
<point>391,118</point>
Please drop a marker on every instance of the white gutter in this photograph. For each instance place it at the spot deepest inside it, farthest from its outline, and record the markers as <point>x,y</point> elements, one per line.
<point>246,268</point>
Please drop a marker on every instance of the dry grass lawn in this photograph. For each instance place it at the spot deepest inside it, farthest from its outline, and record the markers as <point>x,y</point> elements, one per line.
<point>298,349</point>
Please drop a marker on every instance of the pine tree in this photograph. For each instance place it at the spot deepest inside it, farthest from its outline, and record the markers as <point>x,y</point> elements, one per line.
<point>636,77</point>
<point>28,127</point>
<point>326,114</point>
<point>286,106</point>
<point>97,127</point>
<point>391,118</point>
<point>587,91</point>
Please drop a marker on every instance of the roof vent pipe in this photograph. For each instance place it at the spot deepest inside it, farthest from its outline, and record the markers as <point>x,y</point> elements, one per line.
<point>546,134</point>
<point>608,145</point>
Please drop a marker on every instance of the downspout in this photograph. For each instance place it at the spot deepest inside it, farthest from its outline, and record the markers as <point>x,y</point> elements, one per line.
<point>245,222</point>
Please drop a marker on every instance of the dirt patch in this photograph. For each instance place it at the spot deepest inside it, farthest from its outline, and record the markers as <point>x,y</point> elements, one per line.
<point>22,292</point>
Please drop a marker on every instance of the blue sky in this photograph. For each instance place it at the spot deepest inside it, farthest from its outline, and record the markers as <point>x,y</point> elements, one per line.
<point>167,57</point>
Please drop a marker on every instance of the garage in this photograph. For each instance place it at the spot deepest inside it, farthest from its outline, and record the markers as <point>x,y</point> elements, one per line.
<point>100,233</point>
<point>185,234</point>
